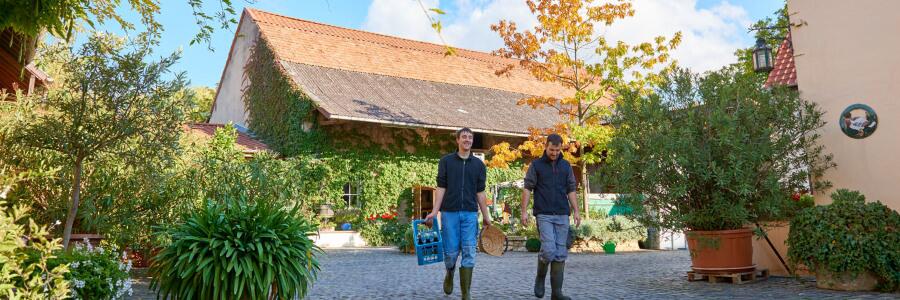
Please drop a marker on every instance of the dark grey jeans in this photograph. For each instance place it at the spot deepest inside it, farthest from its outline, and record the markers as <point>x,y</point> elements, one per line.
<point>554,230</point>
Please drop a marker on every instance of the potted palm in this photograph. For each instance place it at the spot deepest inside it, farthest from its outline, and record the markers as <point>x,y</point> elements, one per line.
<point>712,154</point>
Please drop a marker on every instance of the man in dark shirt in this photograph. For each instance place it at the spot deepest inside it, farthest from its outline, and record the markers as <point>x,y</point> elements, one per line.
<point>553,183</point>
<point>460,193</point>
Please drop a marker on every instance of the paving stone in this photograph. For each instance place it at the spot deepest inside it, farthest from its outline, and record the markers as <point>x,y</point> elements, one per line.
<point>385,273</point>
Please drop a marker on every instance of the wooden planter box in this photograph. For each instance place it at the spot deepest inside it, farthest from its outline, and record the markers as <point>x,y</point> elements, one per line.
<point>93,238</point>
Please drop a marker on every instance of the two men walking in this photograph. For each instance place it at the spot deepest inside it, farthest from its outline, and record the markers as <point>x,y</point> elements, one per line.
<point>460,194</point>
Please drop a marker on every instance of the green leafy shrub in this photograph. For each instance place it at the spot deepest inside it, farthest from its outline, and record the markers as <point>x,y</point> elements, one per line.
<point>849,235</point>
<point>394,232</point>
<point>533,245</point>
<point>617,229</point>
<point>349,215</point>
<point>714,151</point>
<point>96,272</point>
<point>237,250</point>
<point>25,272</point>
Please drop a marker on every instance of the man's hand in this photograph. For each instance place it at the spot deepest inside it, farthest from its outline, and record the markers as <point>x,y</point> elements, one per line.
<point>524,220</point>
<point>486,221</point>
<point>429,218</point>
<point>577,219</point>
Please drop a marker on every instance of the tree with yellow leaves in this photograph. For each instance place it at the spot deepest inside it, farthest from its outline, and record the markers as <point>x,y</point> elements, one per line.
<point>567,47</point>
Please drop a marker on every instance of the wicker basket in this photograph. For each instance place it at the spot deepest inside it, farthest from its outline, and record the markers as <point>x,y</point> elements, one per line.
<point>492,241</point>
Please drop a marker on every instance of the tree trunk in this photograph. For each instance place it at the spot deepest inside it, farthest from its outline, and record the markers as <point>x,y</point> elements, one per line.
<point>586,187</point>
<point>76,196</point>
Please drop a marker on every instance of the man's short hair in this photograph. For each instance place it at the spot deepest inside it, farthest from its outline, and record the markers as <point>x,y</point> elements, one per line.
<point>554,139</point>
<point>464,129</point>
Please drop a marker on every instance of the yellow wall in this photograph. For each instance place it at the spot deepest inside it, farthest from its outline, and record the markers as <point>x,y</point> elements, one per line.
<point>848,52</point>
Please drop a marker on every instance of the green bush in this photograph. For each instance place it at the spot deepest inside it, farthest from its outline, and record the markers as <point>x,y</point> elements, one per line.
<point>25,272</point>
<point>617,229</point>
<point>237,250</point>
<point>849,235</point>
<point>349,215</point>
<point>96,272</point>
<point>533,245</point>
<point>395,232</point>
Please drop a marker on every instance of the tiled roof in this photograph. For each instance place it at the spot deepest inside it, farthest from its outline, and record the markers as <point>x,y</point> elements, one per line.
<point>244,141</point>
<point>369,97</point>
<point>783,72</point>
<point>363,76</point>
<point>311,43</point>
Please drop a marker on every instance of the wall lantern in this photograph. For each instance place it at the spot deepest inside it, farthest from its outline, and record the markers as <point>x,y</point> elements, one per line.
<point>762,56</point>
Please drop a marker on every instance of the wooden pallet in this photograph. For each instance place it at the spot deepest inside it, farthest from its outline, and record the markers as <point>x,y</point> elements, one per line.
<point>736,278</point>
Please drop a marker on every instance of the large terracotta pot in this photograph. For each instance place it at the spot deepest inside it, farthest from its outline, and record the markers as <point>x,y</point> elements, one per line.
<point>721,251</point>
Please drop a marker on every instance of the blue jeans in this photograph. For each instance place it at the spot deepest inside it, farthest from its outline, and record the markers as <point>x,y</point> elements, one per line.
<point>459,230</point>
<point>554,230</point>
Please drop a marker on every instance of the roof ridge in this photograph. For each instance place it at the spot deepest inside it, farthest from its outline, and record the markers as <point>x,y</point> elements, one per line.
<point>493,58</point>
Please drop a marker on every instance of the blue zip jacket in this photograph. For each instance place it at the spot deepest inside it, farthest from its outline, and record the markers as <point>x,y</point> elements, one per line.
<point>462,180</point>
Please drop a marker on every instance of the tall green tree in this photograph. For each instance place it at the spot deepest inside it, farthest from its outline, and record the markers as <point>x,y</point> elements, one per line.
<point>115,103</point>
<point>200,100</point>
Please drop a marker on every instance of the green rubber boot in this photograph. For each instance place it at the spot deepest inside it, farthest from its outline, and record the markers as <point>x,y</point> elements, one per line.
<point>448,281</point>
<point>465,282</point>
<point>557,269</point>
<point>541,279</point>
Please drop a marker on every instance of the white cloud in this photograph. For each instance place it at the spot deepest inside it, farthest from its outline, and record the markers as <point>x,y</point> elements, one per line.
<point>711,35</point>
<point>403,18</point>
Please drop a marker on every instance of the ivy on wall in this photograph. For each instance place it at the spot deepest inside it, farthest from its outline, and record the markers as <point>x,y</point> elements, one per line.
<point>332,156</point>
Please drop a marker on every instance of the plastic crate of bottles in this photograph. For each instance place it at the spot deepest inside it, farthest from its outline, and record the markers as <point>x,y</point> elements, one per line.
<point>429,245</point>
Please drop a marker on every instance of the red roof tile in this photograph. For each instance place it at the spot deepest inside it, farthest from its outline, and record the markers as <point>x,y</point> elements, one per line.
<point>784,72</point>
<point>244,141</point>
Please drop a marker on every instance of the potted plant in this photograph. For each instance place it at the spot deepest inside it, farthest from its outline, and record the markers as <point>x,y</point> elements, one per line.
<point>848,244</point>
<point>344,218</point>
<point>712,155</point>
<point>533,244</point>
<point>609,247</point>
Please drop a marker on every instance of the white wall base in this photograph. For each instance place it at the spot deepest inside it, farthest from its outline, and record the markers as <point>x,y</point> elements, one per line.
<point>338,239</point>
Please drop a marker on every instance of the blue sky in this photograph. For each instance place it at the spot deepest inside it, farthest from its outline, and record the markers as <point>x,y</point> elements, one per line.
<point>713,28</point>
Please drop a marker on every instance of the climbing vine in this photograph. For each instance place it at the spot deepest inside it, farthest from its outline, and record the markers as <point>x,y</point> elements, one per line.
<point>277,111</point>
<point>329,157</point>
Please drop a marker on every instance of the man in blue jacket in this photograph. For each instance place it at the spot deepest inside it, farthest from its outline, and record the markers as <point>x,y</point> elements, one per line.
<point>553,183</point>
<point>460,194</point>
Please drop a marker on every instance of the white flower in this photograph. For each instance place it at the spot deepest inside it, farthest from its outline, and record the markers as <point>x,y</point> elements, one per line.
<point>78,283</point>
<point>75,265</point>
<point>87,243</point>
<point>4,190</point>
<point>100,249</point>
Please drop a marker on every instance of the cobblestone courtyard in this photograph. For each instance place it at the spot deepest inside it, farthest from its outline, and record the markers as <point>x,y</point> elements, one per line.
<point>380,273</point>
